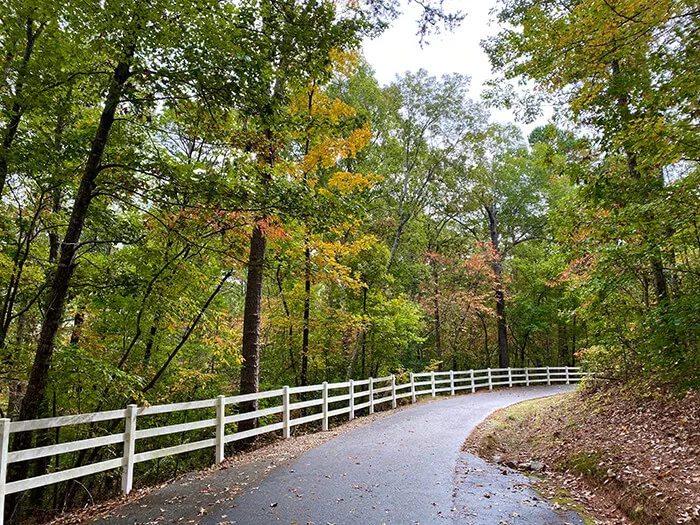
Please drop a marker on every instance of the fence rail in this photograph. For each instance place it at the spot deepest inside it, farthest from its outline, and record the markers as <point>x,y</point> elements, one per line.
<point>353,397</point>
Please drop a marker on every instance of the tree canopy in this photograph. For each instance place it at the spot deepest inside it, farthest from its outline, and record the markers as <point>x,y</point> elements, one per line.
<point>208,197</point>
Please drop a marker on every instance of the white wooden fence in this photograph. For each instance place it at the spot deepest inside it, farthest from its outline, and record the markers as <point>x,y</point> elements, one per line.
<point>354,396</point>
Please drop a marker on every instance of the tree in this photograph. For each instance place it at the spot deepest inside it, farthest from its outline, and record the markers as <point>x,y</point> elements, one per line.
<point>508,203</point>
<point>295,30</point>
<point>624,70</point>
<point>433,118</point>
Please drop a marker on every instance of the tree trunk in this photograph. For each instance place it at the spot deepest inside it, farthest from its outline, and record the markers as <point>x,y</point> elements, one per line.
<point>486,339</point>
<point>563,344</point>
<point>290,326</point>
<point>363,355</point>
<point>56,194</point>
<point>15,384</point>
<point>523,346</point>
<point>503,356</point>
<point>69,247</point>
<point>249,383</point>
<point>397,237</point>
<point>436,314</point>
<point>54,239</point>
<point>251,327</point>
<point>307,307</point>
<point>659,279</point>
<point>573,341</point>
<point>149,342</point>
<point>78,321</point>
<point>187,334</point>
<point>657,269</point>
<point>21,257</point>
<point>38,379</point>
<point>361,341</point>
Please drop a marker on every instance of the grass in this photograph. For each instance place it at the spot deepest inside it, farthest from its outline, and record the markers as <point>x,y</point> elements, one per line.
<point>587,464</point>
<point>563,498</point>
<point>500,433</point>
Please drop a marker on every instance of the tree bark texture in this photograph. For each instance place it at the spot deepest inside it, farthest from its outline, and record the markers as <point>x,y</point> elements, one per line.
<point>503,356</point>
<point>251,325</point>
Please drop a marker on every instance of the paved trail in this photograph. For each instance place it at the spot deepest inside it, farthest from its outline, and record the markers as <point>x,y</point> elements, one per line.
<point>406,468</point>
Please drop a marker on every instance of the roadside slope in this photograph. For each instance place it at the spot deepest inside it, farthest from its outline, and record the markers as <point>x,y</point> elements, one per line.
<point>624,455</point>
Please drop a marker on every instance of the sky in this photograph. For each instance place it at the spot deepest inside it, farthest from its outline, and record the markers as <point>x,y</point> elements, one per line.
<point>398,50</point>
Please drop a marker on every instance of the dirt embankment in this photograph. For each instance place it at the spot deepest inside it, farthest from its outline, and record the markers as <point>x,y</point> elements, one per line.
<point>625,456</point>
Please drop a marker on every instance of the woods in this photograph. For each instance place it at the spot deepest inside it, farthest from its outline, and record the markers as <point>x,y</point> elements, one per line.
<point>627,73</point>
<point>201,198</point>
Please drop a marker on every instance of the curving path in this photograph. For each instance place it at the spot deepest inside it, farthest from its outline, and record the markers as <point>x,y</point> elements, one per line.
<point>406,468</point>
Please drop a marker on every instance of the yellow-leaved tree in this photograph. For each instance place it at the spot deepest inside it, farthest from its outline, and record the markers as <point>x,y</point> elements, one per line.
<point>324,233</point>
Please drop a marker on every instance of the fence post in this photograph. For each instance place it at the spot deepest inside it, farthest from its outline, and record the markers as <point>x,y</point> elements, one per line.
<point>432,383</point>
<point>286,424</point>
<point>371,396</point>
<point>4,449</point>
<point>527,377</point>
<point>510,377</point>
<point>471,377</point>
<point>549,379</point>
<point>567,375</point>
<point>393,391</point>
<point>129,449</point>
<point>413,389</point>
<point>452,382</point>
<point>351,402</point>
<point>324,422</point>
<point>220,427</point>
<point>490,381</point>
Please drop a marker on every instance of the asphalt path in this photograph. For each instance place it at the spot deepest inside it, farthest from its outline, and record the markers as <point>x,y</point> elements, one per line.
<point>407,468</point>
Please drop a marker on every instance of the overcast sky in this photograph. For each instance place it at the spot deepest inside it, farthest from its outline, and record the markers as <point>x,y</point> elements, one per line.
<point>397,50</point>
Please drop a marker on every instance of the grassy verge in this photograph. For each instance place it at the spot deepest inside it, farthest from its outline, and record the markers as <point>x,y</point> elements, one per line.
<point>616,457</point>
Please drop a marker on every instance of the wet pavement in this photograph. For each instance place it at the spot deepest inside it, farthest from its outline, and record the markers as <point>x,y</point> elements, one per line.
<point>406,468</point>
<point>485,494</point>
